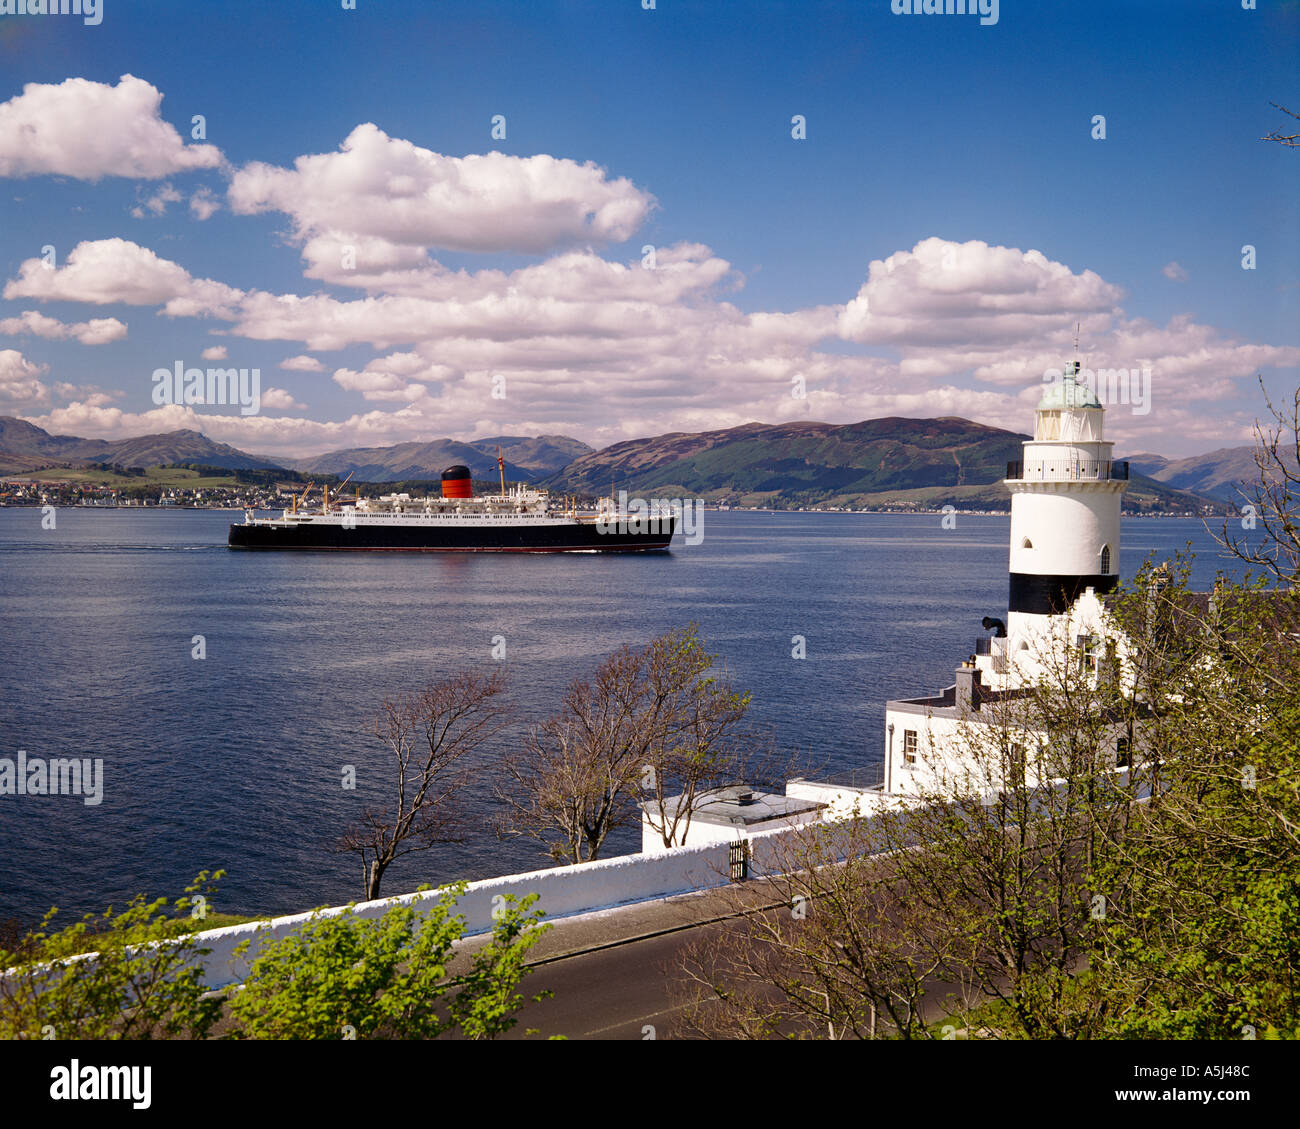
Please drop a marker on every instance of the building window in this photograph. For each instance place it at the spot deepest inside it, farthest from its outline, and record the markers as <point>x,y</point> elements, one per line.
<point>909,746</point>
<point>1105,560</point>
<point>1089,652</point>
<point>1122,758</point>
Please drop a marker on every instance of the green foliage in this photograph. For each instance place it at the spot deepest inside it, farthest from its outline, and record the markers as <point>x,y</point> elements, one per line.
<point>1042,894</point>
<point>137,975</point>
<point>343,976</point>
<point>130,975</point>
<point>1204,940</point>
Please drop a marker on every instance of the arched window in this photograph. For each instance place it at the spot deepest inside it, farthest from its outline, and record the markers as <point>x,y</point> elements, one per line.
<point>1105,560</point>
<point>1026,544</point>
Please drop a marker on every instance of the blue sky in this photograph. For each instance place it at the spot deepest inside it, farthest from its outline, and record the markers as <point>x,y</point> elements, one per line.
<point>939,150</point>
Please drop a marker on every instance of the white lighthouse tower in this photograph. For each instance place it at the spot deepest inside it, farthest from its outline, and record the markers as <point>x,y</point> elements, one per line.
<point>1065,506</point>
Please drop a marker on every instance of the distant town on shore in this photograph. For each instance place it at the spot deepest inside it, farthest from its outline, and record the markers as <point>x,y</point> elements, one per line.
<point>892,465</point>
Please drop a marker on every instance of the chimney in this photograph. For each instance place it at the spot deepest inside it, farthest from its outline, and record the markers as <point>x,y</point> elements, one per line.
<point>968,687</point>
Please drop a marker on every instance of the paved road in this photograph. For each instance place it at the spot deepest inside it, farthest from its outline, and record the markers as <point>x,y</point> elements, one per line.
<point>617,993</point>
<point>610,972</point>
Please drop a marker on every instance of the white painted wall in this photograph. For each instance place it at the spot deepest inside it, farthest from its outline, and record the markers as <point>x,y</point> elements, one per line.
<point>563,891</point>
<point>702,832</point>
<point>1067,524</point>
<point>842,802</point>
<point>1037,644</point>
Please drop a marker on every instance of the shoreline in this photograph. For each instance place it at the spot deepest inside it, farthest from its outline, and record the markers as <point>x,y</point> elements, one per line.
<point>707,509</point>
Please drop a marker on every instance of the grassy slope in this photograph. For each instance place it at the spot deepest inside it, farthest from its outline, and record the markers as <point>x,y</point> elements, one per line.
<point>153,476</point>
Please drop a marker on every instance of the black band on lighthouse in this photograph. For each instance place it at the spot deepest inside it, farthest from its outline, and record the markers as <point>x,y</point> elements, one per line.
<point>1052,595</point>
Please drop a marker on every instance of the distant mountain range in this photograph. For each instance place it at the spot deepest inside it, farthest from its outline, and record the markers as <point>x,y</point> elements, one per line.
<point>1217,474</point>
<point>879,462</point>
<point>24,446</point>
<point>810,460</point>
<point>882,462</point>
<point>526,459</point>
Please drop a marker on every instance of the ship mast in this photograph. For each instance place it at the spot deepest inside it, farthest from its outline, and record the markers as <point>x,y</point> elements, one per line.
<point>501,467</point>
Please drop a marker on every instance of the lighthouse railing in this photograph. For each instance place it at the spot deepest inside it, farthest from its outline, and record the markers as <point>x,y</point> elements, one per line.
<point>1067,470</point>
<point>864,778</point>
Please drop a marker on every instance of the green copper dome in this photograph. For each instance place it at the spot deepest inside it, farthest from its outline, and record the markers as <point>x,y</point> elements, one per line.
<point>1067,394</point>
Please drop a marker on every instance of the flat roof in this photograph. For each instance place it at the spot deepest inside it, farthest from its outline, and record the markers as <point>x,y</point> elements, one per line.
<point>726,808</point>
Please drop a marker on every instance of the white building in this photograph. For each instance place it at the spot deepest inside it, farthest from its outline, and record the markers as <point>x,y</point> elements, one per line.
<point>1066,492</point>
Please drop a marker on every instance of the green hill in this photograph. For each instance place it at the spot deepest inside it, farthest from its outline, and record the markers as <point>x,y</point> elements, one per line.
<point>880,463</point>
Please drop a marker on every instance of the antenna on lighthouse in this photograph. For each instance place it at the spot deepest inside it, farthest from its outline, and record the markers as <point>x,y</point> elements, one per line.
<point>1072,366</point>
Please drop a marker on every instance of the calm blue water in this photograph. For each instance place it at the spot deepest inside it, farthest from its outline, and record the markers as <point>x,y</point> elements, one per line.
<point>234,761</point>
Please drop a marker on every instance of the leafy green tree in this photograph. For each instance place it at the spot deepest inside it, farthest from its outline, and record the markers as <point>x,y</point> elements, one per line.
<point>1161,902</point>
<point>128,975</point>
<point>395,976</point>
<point>970,908</point>
<point>1202,939</point>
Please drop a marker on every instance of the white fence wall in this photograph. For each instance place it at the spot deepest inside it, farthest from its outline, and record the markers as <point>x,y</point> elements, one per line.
<point>562,891</point>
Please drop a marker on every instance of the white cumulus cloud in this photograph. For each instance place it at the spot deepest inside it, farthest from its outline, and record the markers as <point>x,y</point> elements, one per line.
<point>204,204</point>
<point>157,203</point>
<point>279,400</point>
<point>970,295</point>
<point>96,331</point>
<point>18,379</point>
<point>383,201</point>
<point>90,130</point>
<point>302,363</point>
<point>105,271</point>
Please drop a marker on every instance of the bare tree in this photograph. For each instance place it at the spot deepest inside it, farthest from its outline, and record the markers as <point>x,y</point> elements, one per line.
<point>572,782</point>
<point>1274,501</point>
<point>845,952</point>
<point>1290,140</point>
<point>429,734</point>
<point>652,723</point>
<point>700,746</point>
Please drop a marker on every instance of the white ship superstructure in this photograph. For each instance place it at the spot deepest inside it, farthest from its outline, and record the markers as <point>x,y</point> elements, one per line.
<point>518,519</point>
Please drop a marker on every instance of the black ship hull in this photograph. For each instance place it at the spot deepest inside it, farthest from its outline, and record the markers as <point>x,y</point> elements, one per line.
<point>576,537</point>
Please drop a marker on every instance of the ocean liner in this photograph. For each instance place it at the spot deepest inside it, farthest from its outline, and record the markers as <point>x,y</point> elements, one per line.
<point>518,520</point>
